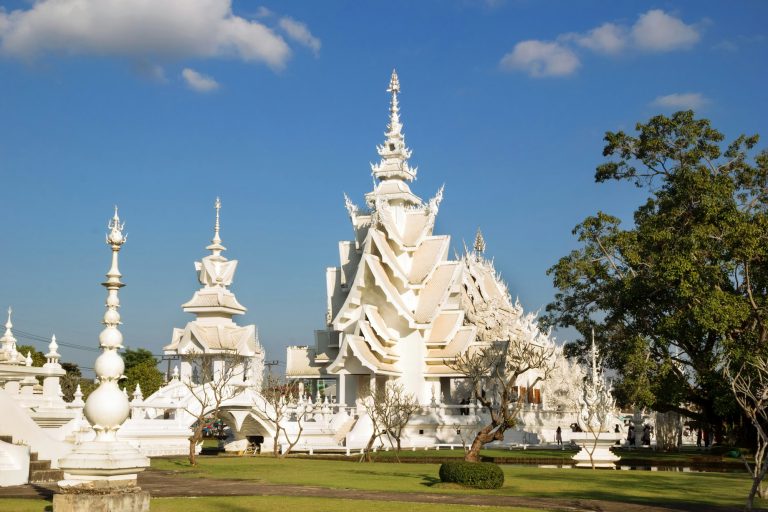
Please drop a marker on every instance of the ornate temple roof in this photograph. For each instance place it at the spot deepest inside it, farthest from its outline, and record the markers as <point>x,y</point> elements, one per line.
<point>214,305</point>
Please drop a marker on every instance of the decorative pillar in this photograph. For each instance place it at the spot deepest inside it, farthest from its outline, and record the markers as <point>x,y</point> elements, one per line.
<point>51,386</point>
<point>105,464</point>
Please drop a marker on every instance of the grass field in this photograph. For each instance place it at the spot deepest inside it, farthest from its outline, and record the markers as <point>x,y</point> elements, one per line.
<point>643,487</point>
<point>271,503</point>
<point>640,487</point>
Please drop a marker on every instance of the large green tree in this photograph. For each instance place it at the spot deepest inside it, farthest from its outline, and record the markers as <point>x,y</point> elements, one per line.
<point>141,369</point>
<point>38,358</point>
<point>683,290</point>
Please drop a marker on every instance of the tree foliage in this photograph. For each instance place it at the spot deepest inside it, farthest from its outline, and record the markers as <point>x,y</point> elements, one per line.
<point>686,284</point>
<point>134,357</point>
<point>146,375</point>
<point>38,358</point>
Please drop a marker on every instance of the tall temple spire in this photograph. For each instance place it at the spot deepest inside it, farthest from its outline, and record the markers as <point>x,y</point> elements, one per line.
<point>393,171</point>
<point>216,248</point>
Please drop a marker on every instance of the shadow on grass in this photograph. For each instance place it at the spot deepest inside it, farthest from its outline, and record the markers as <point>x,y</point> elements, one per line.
<point>429,480</point>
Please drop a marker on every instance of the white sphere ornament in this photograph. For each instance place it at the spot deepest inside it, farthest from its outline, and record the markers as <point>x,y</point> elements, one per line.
<point>109,365</point>
<point>112,317</point>
<point>107,407</point>
<point>111,337</point>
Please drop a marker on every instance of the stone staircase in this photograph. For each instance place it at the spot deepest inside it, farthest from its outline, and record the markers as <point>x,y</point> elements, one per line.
<point>40,471</point>
<point>341,435</point>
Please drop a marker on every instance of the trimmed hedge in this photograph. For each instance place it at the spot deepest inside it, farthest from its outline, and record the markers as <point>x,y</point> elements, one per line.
<point>480,475</point>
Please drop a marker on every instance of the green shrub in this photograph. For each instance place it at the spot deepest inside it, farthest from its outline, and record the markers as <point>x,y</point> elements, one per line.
<point>480,475</point>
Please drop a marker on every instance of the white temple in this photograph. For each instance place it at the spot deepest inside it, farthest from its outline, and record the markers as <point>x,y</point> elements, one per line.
<point>398,307</point>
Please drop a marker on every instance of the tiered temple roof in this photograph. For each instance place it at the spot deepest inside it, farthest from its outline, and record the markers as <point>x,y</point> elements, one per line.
<point>397,305</point>
<point>214,305</point>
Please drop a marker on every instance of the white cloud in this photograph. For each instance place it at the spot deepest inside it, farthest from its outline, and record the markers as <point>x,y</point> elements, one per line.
<point>263,12</point>
<point>141,29</point>
<point>541,58</point>
<point>684,100</point>
<point>654,31</point>
<point>199,82</point>
<point>607,38</point>
<point>657,31</point>
<point>299,32</point>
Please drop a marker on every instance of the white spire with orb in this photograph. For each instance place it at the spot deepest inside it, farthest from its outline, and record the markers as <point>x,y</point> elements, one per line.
<point>105,462</point>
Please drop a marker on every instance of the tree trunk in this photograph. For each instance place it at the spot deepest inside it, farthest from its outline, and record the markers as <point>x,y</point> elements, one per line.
<point>483,437</point>
<point>369,447</point>
<point>197,434</point>
<point>275,447</point>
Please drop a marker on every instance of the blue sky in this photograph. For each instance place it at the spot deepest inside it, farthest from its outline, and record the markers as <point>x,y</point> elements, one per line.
<point>277,108</point>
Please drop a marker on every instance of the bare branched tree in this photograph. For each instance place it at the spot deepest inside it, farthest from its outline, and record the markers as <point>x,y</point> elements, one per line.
<point>280,406</point>
<point>370,399</point>
<point>750,388</point>
<point>214,381</point>
<point>493,370</point>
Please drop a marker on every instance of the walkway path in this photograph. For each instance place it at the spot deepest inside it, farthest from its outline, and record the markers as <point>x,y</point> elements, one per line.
<point>171,484</point>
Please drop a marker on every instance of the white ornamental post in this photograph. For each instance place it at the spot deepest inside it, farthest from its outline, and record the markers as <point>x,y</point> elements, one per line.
<point>106,462</point>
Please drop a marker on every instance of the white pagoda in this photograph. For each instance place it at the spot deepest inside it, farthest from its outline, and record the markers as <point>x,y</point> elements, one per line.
<point>398,307</point>
<point>213,331</point>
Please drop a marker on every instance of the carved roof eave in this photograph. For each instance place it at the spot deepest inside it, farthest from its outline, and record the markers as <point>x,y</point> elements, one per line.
<point>394,235</point>
<point>457,324</point>
<point>389,257</point>
<point>373,342</point>
<point>379,325</point>
<point>438,257</point>
<point>463,338</point>
<point>393,297</point>
<point>351,343</point>
<point>192,335</point>
<point>443,294</point>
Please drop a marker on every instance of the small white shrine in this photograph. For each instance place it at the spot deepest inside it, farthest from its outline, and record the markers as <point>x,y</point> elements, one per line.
<point>213,330</point>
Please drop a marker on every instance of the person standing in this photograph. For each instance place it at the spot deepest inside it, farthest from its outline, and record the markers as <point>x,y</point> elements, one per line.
<point>559,436</point>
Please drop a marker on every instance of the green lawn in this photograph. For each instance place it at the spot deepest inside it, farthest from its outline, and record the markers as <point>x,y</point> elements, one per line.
<point>270,503</point>
<point>625,486</point>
